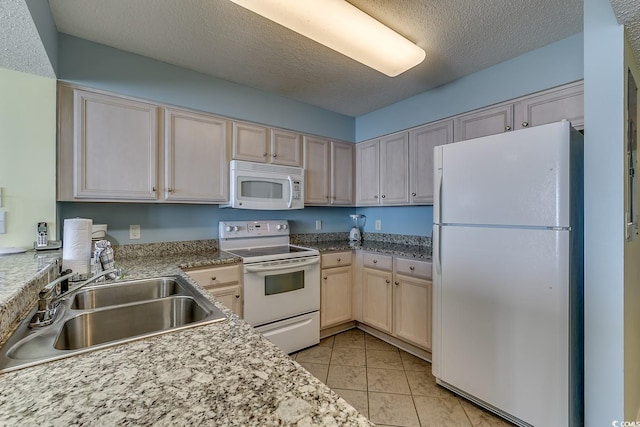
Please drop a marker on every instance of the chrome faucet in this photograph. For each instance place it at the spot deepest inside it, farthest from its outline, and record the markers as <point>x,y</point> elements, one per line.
<point>50,296</point>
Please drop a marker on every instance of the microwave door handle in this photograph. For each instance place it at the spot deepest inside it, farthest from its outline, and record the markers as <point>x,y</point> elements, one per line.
<point>259,267</point>
<point>290,191</point>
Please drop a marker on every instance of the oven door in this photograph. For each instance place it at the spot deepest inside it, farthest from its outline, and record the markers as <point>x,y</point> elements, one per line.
<point>277,290</point>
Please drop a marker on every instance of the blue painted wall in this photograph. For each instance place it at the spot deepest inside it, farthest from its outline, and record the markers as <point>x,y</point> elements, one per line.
<point>98,66</point>
<point>42,18</point>
<point>171,223</point>
<point>549,66</point>
<point>416,220</point>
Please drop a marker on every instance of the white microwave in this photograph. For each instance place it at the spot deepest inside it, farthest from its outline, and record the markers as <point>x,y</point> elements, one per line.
<point>265,187</point>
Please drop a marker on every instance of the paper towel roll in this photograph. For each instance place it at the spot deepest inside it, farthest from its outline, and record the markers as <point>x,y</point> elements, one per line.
<point>76,245</point>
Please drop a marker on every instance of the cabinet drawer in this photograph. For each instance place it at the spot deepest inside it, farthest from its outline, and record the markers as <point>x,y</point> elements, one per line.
<point>216,276</point>
<point>381,262</point>
<point>413,268</point>
<point>336,259</point>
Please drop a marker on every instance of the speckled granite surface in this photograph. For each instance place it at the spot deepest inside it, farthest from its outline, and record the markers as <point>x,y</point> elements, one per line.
<point>219,374</point>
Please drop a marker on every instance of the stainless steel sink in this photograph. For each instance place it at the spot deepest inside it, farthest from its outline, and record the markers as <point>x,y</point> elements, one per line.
<point>107,315</point>
<point>100,326</point>
<point>126,292</point>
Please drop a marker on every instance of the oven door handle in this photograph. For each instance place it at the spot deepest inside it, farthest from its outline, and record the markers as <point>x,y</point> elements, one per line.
<point>261,267</point>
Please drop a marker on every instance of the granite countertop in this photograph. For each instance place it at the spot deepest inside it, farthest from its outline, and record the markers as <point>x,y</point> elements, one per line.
<point>219,374</point>
<point>398,249</point>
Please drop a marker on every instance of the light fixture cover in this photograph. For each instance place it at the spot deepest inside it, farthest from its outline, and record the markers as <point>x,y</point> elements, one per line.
<point>345,29</point>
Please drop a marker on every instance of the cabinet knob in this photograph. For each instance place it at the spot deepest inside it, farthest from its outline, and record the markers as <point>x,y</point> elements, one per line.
<point>339,259</point>
<point>326,197</point>
<point>412,268</point>
<point>413,194</point>
<point>153,188</point>
<point>237,296</point>
<point>214,278</point>
<point>170,190</point>
<point>388,281</point>
<point>375,261</point>
<point>525,124</point>
<point>397,283</point>
<point>507,128</point>
<point>383,196</point>
<point>264,154</point>
<point>274,155</point>
<point>375,197</point>
<point>325,277</point>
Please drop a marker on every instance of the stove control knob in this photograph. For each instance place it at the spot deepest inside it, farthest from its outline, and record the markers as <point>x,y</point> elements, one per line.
<point>236,228</point>
<point>228,228</point>
<point>281,226</point>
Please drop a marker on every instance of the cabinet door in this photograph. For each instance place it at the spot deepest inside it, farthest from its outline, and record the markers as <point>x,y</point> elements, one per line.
<point>421,143</point>
<point>566,102</point>
<point>412,310</point>
<point>116,148</point>
<point>394,169</point>
<point>367,173</point>
<point>376,299</point>
<point>341,173</point>
<point>229,296</point>
<point>250,142</point>
<point>196,164</point>
<point>286,148</point>
<point>488,121</point>
<point>316,171</point>
<point>335,296</point>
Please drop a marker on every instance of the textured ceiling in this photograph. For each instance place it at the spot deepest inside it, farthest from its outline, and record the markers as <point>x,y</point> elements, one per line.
<point>221,39</point>
<point>20,46</point>
<point>628,13</point>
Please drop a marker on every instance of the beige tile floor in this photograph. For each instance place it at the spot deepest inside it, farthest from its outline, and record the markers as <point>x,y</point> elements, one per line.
<point>388,385</point>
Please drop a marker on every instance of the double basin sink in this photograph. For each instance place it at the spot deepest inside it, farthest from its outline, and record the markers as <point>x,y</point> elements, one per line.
<point>105,315</point>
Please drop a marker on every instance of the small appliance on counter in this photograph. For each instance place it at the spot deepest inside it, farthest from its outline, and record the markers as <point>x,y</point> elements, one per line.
<point>355,234</point>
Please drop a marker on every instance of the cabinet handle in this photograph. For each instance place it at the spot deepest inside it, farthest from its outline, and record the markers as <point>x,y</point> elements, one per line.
<point>397,283</point>
<point>339,259</point>
<point>525,124</point>
<point>383,196</point>
<point>388,281</point>
<point>237,296</point>
<point>375,261</point>
<point>274,155</point>
<point>325,277</point>
<point>214,278</point>
<point>412,268</point>
<point>507,128</point>
<point>153,188</point>
<point>413,194</point>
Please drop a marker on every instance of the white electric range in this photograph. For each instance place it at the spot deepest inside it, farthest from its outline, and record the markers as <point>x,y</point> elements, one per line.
<point>281,282</point>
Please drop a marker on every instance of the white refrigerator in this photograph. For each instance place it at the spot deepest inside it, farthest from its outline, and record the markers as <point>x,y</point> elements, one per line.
<point>508,273</point>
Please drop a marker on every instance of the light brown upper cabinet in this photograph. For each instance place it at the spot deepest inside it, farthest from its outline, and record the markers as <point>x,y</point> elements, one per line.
<point>196,160</point>
<point>114,148</point>
<point>488,121</point>
<point>422,140</point>
<point>328,168</point>
<point>382,168</point>
<point>256,143</point>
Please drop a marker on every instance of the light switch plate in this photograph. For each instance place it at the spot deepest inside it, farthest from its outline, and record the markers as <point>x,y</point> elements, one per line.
<point>318,224</point>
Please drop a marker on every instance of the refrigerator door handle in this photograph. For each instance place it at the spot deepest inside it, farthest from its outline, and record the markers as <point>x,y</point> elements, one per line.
<point>436,248</point>
<point>437,214</point>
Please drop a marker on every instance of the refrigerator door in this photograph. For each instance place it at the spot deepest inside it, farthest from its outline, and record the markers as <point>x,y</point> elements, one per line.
<point>503,319</point>
<point>519,178</point>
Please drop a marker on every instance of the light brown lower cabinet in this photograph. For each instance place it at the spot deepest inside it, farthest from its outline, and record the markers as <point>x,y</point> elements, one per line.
<point>336,289</point>
<point>396,297</point>
<point>224,283</point>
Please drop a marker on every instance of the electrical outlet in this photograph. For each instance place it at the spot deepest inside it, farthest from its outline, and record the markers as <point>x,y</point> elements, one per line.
<point>318,224</point>
<point>134,232</point>
<point>378,224</point>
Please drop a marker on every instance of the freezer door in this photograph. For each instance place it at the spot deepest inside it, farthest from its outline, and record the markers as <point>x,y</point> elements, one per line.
<point>517,178</point>
<point>504,316</point>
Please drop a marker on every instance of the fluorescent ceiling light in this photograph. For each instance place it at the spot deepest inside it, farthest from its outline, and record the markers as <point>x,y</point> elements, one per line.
<point>343,28</point>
